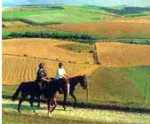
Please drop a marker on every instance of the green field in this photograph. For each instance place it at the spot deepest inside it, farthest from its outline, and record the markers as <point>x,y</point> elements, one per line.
<point>87,23</point>
<point>123,85</point>
<point>80,48</point>
<point>70,14</point>
<point>55,15</point>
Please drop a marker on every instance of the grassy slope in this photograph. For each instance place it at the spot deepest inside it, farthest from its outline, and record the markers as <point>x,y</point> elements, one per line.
<point>71,14</point>
<point>140,77</point>
<point>67,14</point>
<point>123,85</point>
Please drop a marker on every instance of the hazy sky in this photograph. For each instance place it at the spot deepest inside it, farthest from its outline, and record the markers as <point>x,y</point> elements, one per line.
<point>78,2</point>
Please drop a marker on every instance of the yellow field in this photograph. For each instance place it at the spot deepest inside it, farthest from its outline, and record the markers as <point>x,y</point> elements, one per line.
<point>22,56</point>
<point>121,27</point>
<point>120,54</point>
<point>44,48</point>
<point>114,28</point>
<point>16,23</point>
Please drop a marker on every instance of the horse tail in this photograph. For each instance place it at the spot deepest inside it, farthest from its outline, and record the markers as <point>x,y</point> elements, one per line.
<point>15,95</point>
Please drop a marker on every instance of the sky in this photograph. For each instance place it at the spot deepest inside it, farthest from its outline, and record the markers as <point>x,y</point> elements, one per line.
<point>80,2</point>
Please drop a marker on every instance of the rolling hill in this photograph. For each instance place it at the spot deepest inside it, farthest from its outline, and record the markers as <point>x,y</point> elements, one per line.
<point>22,56</point>
<point>97,22</point>
<point>121,78</point>
<point>113,54</point>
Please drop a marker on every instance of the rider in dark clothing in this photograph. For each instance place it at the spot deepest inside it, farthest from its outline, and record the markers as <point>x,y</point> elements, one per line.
<point>41,77</point>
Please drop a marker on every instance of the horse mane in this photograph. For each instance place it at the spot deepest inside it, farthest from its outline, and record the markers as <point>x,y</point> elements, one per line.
<point>77,76</point>
<point>32,81</point>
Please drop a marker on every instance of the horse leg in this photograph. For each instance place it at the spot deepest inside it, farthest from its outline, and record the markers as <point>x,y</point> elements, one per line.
<point>31,103</point>
<point>74,97</point>
<point>39,100</point>
<point>55,104</point>
<point>48,105</point>
<point>65,99</point>
<point>20,102</point>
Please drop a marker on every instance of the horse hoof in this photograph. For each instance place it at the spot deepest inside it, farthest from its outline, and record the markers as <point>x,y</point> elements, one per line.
<point>19,111</point>
<point>49,114</point>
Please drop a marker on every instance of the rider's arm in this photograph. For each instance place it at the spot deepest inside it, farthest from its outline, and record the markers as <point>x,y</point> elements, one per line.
<point>65,74</point>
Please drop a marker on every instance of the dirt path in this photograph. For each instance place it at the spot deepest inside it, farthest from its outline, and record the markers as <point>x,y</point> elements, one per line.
<point>82,114</point>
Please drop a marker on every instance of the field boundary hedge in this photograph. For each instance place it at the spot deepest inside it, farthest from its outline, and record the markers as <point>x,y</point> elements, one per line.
<point>58,35</point>
<point>77,37</point>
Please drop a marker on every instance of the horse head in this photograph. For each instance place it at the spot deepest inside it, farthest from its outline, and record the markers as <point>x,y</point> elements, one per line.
<point>83,81</point>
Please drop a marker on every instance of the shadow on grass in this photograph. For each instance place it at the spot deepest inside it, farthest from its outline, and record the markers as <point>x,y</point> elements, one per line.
<point>13,106</point>
<point>112,107</point>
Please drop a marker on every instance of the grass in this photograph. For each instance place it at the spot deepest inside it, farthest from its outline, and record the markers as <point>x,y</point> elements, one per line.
<point>118,85</point>
<point>71,115</point>
<point>140,77</point>
<point>134,41</point>
<point>70,14</point>
<point>67,14</point>
<point>16,118</point>
<point>80,47</point>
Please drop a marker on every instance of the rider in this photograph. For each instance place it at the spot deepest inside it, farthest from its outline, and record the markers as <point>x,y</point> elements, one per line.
<point>61,74</point>
<point>41,75</point>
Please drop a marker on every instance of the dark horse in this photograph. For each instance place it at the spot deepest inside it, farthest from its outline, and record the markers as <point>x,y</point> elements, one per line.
<point>32,89</point>
<point>74,81</point>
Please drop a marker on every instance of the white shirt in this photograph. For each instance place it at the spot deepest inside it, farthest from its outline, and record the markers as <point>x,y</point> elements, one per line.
<point>60,73</point>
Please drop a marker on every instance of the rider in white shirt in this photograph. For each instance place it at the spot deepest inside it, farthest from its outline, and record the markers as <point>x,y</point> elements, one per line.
<point>61,74</point>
